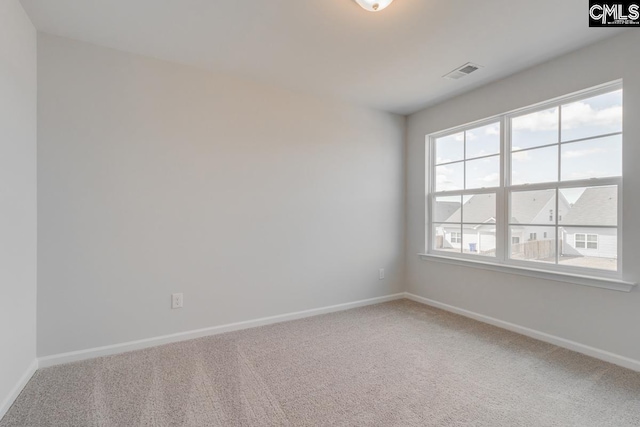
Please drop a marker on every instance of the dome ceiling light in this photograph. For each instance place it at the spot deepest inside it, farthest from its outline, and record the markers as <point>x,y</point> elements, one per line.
<point>374,5</point>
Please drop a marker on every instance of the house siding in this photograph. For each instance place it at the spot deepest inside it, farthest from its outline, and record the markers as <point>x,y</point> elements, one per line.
<point>607,242</point>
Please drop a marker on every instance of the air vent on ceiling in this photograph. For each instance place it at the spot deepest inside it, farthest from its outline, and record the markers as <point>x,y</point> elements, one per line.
<point>462,71</point>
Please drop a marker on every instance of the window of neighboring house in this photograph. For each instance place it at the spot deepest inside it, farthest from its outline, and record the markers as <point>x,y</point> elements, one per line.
<point>586,241</point>
<point>519,170</point>
<point>456,237</point>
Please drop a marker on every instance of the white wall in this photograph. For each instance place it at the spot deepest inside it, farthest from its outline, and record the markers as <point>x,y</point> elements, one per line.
<point>17,198</point>
<point>157,178</point>
<point>596,317</point>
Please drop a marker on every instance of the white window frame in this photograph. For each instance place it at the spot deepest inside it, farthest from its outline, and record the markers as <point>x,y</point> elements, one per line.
<point>503,242</point>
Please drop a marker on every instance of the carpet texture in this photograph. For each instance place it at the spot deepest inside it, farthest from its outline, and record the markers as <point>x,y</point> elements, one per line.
<point>394,364</point>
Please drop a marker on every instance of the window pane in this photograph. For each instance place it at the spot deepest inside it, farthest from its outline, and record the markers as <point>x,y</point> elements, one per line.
<point>483,141</point>
<point>447,237</point>
<point>450,148</point>
<point>595,158</point>
<point>533,207</point>
<point>589,247</point>
<point>533,166</point>
<point>450,177</point>
<point>446,208</point>
<point>479,209</point>
<point>534,130</point>
<point>483,173</point>
<point>534,246</point>
<point>590,206</point>
<point>595,116</point>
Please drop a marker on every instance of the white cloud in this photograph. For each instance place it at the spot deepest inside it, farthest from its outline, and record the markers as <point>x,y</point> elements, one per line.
<point>481,153</point>
<point>535,122</point>
<point>443,179</point>
<point>493,177</point>
<point>444,183</point>
<point>580,114</point>
<point>493,130</point>
<point>572,154</point>
<point>445,170</point>
<point>521,156</point>
<point>574,115</point>
<point>490,130</point>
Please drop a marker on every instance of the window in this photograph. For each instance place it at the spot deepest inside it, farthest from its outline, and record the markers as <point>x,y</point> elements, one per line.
<point>553,170</point>
<point>586,241</point>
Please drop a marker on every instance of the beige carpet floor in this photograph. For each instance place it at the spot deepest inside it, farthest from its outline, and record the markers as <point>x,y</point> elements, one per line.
<point>393,364</point>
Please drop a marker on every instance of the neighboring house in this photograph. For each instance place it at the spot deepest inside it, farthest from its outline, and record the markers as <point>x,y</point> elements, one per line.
<point>532,219</point>
<point>478,234</point>
<point>597,206</point>
<point>442,211</point>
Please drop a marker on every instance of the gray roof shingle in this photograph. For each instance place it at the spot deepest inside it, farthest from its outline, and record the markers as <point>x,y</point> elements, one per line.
<point>478,209</point>
<point>526,205</point>
<point>443,210</point>
<point>482,207</point>
<point>596,206</point>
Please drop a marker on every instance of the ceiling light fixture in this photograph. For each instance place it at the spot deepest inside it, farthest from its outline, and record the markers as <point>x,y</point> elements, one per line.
<point>374,5</point>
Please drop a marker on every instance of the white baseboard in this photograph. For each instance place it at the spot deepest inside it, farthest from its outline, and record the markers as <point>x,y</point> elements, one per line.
<point>552,339</point>
<point>91,353</point>
<point>74,356</point>
<point>17,389</point>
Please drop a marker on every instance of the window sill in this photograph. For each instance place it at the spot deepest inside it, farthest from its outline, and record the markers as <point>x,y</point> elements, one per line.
<point>598,282</point>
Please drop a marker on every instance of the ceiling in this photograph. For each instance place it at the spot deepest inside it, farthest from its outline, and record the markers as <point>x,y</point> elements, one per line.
<point>391,60</point>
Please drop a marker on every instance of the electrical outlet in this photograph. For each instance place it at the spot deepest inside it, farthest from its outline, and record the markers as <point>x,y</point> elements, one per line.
<point>177,301</point>
<point>381,273</point>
